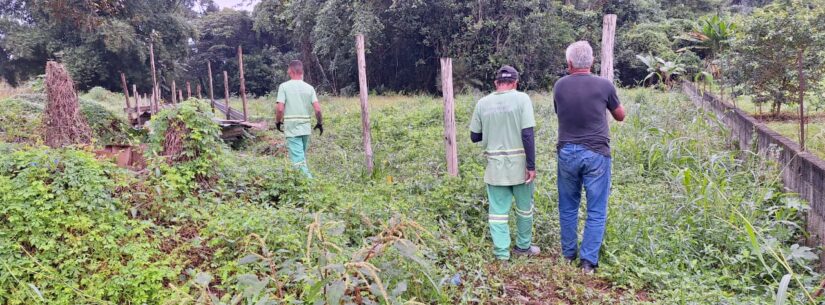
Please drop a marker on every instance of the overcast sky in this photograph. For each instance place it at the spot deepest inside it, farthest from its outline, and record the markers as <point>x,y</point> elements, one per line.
<point>237,4</point>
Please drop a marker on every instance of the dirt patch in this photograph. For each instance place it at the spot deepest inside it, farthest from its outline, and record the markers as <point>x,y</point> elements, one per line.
<point>787,116</point>
<point>549,280</point>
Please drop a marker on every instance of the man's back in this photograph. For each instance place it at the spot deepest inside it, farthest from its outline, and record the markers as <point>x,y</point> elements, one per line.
<point>500,117</point>
<point>297,97</point>
<point>581,102</point>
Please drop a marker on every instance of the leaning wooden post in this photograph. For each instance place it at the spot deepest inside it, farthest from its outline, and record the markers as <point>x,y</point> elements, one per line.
<point>226,94</point>
<point>198,90</point>
<point>211,89</point>
<point>125,93</point>
<point>365,111</point>
<point>188,90</point>
<point>180,95</point>
<point>154,76</point>
<point>801,100</point>
<point>608,37</point>
<point>174,94</point>
<point>451,147</point>
<point>243,82</point>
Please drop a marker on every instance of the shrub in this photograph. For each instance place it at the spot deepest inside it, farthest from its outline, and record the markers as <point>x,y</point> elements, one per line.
<point>64,238</point>
<point>185,147</point>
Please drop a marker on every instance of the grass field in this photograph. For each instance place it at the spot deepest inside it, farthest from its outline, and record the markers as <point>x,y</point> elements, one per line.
<point>688,224</point>
<point>815,129</point>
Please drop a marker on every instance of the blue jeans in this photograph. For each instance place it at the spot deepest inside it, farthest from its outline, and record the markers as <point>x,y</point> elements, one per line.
<point>577,167</point>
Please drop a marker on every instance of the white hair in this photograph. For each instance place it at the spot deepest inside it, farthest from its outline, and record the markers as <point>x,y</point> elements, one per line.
<point>580,54</point>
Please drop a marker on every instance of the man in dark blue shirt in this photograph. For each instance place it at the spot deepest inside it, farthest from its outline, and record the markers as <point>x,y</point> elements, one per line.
<point>581,100</point>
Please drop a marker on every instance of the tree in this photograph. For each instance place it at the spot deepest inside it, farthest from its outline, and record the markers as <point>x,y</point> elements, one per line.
<point>94,38</point>
<point>771,43</point>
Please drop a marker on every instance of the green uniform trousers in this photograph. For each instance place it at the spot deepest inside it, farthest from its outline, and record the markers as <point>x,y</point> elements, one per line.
<point>501,197</point>
<point>298,147</point>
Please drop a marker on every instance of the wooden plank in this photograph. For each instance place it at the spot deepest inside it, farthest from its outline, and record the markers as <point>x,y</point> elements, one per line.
<point>243,83</point>
<point>211,88</point>
<point>226,93</point>
<point>451,147</point>
<point>233,114</point>
<point>365,111</point>
<point>608,38</point>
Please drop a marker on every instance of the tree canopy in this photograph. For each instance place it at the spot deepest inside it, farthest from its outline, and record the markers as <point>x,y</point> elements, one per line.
<point>97,39</point>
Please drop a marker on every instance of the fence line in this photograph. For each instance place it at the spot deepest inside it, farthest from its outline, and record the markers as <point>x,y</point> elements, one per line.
<point>802,172</point>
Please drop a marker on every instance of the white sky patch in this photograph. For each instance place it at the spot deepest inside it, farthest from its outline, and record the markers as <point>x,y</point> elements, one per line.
<point>247,5</point>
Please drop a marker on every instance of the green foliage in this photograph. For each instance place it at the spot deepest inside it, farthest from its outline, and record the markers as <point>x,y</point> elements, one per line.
<point>65,235</point>
<point>19,121</point>
<point>94,39</point>
<point>771,42</point>
<point>663,70</point>
<point>185,148</point>
<point>687,234</point>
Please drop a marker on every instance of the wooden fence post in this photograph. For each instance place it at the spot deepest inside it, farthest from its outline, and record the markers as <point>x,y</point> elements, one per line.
<point>211,88</point>
<point>801,100</point>
<point>137,103</point>
<point>174,92</point>
<point>188,90</point>
<point>125,93</point>
<point>451,147</point>
<point>608,38</point>
<point>365,111</point>
<point>243,82</point>
<point>226,94</point>
<point>154,76</point>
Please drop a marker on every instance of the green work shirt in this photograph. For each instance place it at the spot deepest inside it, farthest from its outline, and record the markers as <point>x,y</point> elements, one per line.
<point>500,117</point>
<point>297,97</point>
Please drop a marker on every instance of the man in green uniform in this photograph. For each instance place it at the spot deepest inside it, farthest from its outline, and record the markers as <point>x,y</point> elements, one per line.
<point>296,101</point>
<point>503,122</point>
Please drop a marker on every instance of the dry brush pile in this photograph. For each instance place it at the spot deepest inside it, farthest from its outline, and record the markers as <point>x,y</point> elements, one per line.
<point>63,123</point>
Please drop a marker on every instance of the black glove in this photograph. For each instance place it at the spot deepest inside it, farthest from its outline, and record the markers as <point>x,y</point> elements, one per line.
<point>279,126</point>
<point>320,128</point>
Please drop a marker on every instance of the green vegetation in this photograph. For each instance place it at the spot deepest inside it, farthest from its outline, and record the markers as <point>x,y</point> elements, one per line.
<point>682,214</point>
<point>97,39</point>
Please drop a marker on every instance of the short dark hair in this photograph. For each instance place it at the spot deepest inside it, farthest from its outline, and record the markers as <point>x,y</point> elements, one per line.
<point>296,66</point>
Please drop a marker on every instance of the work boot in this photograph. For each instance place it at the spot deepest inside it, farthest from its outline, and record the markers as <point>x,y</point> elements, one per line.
<point>569,259</point>
<point>588,268</point>
<point>532,251</point>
